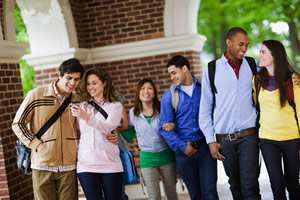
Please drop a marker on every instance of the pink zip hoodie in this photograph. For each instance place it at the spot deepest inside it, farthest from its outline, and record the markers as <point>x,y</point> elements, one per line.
<point>95,152</point>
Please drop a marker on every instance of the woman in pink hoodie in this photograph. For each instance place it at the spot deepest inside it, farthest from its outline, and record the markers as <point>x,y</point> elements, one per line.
<point>99,166</point>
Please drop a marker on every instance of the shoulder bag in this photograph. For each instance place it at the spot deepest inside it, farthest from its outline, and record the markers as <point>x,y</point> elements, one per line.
<point>23,152</point>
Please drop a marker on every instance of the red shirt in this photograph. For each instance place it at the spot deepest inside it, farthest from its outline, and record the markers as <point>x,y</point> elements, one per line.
<point>236,65</point>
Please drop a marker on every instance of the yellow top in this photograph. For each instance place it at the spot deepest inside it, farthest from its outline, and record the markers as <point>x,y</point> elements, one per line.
<point>276,122</point>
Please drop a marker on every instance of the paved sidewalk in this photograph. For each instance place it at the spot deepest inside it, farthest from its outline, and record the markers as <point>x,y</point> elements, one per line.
<point>135,191</point>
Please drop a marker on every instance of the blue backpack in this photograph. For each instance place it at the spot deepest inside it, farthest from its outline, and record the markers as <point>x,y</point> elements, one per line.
<point>128,161</point>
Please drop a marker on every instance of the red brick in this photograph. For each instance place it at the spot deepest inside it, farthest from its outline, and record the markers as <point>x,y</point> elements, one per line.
<point>135,33</point>
<point>4,192</point>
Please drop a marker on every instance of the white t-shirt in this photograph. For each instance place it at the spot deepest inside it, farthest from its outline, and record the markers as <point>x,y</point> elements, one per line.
<point>188,89</point>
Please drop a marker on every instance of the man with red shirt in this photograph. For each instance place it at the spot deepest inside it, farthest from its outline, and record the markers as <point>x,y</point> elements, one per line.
<point>229,127</point>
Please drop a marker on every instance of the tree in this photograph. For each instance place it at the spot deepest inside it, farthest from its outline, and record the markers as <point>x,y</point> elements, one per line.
<point>27,72</point>
<point>256,17</point>
<point>287,11</point>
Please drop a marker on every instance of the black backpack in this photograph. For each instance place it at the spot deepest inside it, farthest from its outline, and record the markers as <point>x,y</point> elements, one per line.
<point>211,76</point>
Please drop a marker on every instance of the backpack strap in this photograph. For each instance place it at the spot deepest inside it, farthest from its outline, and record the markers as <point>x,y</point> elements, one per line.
<point>290,98</point>
<point>252,64</point>
<point>253,68</point>
<point>175,97</point>
<point>257,85</point>
<point>211,76</point>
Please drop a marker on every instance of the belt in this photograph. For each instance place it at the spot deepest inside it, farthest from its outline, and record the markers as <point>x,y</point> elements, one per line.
<point>236,135</point>
<point>196,144</point>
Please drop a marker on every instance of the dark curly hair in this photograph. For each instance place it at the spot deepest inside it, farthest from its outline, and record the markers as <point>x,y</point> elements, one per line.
<point>109,93</point>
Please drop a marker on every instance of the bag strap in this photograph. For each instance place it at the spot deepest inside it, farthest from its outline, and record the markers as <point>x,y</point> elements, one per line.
<point>97,107</point>
<point>257,85</point>
<point>290,99</point>
<point>175,97</point>
<point>211,76</point>
<point>54,117</point>
<point>252,64</point>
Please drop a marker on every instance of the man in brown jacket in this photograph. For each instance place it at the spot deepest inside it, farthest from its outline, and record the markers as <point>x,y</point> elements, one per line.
<point>53,156</point>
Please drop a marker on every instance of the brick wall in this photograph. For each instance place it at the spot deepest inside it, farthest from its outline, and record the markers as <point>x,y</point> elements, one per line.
<point>13,184</point>
<point>43,77</point>
<point>127,73</point>
<point>107,22</point>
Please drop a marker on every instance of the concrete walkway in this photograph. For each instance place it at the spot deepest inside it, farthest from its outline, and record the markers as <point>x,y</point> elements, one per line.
<point>135,192</point>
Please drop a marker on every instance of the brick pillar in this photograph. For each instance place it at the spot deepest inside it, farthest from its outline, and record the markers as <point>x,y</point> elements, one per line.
<point>13,184</point>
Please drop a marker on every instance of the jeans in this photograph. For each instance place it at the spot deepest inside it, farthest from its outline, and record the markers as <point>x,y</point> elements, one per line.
<point>241,165</point>
<point>94,183</point>
<point>274,152</point>
<point>199,173</point>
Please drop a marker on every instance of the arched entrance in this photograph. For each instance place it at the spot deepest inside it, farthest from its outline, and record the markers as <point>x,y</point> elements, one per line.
<point>130,39</point>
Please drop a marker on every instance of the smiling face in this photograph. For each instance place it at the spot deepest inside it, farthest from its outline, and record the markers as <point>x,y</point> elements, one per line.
<point>95,86</point>
<point>178,75</point>
<point>146,93</point>
<point>68,82</point>
<point>237,46</point>
<point>265,57</point>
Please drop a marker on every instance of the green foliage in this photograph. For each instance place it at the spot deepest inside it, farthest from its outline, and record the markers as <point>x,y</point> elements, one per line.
<point>255,16</point>
<point>27,72</point>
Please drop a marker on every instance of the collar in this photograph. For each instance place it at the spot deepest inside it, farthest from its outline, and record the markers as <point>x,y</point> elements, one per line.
<point>59,96</point>
<point>49,90</point>
<point>196,81</point>
<point>233,63</point>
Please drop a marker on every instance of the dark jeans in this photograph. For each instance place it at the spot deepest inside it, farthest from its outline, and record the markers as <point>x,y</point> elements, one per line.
<point>93,184</point>
<point>199,173</point>
<point>241,165</point>
<point>124,195</point>
<point>274,152</point>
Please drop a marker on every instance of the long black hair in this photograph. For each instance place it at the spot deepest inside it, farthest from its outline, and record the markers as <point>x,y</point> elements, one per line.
<point>137,102</point>
<point>283,70</point>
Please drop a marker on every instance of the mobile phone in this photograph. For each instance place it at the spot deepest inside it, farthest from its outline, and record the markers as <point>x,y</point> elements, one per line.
<point>74,104</point>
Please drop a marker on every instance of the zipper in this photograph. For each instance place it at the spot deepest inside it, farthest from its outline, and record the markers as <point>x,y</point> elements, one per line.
<point>61,141</point>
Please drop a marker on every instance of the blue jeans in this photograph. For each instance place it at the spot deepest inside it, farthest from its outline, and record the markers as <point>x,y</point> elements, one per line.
<point>274,152</point>
<point>94,183</point>
<point>199,173</point>
<point>241,165</point>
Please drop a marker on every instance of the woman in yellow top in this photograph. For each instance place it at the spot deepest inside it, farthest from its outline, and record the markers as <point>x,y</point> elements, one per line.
<point>279,131</point>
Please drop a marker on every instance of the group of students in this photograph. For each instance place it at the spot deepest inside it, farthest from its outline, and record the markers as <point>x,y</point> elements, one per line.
<point>188,136</point>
